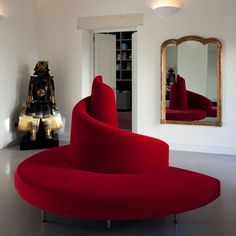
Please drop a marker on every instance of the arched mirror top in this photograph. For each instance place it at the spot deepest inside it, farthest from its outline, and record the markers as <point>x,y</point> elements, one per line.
<point>191,81</point>
<point>192,38</point>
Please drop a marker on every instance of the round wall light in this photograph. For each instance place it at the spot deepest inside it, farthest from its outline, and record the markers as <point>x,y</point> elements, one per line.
<point>165,8</point>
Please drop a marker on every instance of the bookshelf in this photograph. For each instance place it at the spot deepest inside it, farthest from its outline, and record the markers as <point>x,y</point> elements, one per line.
<point>124,69</point>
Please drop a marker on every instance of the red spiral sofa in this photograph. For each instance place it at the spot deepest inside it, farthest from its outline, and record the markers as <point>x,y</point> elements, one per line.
<point>186,105</point>
<point>106,173</point>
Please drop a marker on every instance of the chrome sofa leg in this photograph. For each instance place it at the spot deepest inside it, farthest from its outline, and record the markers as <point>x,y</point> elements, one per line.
<point>175,219</point>
<point>108,224</point>
<point>43,216</point>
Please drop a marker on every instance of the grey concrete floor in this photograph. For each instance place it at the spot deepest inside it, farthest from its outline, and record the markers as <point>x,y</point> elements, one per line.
<point>18,218</point>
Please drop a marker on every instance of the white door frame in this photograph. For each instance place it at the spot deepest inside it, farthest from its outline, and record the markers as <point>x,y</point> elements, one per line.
<point>87,68</point>
<point>89,25</point>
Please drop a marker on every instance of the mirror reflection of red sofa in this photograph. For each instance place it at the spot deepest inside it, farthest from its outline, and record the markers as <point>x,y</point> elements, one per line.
<point>106,173</point>
<point>186,105</point>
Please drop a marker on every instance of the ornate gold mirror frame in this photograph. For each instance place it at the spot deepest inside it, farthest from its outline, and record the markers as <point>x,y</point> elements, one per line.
<point>207,44</point>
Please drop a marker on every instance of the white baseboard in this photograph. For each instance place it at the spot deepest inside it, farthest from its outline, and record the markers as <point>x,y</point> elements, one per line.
<point>7,143</point>
<point>2,144</point>
<point>203,148</point>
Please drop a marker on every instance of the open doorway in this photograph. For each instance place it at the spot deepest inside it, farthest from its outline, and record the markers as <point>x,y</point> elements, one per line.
<point>114,60</point>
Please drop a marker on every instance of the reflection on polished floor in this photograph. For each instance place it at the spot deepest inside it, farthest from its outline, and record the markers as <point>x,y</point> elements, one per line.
<point>18,218</point>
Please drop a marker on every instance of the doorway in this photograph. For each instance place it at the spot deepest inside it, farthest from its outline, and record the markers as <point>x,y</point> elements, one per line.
<point>114,60</point>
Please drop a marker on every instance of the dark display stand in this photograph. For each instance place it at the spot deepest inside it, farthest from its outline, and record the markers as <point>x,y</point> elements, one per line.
<point>41,142</point>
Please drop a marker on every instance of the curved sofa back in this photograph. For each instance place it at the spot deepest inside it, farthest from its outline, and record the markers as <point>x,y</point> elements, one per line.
<point>99,147</point>
<point>103,102</point>
<point>178,96</point>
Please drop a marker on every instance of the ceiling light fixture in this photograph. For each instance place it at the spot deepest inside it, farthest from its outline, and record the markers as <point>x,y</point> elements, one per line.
<point>165,8</point>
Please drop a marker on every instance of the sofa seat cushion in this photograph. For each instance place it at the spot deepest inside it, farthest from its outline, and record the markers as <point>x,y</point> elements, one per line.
<point>48,181</point>
<point>185,115</point>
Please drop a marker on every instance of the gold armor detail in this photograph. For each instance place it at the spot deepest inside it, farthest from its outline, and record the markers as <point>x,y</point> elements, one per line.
<point>47,129</point>
<point>29,100</point>
<point>41,65</point>
<point>54,122</point>
<point>41,92</point>
<point>27,122</point>
<point>53,99</point>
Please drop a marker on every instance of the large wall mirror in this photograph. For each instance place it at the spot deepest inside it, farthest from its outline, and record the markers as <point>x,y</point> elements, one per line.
<point>191,81</point>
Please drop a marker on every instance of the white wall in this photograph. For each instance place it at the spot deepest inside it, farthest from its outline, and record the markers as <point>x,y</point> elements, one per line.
<point>59,43</point>
<point>192,66</point>
<point>212,73</point>
<point>18,53</point>
<point>203,18</point>
<point>171,58</point>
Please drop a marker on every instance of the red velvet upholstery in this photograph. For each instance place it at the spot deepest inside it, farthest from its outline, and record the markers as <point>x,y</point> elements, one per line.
<point>103,103</point>
<point>48,181</point>
<point>212,112</point>
<point>185,115</point>
<point>186,105</point>
<point>197,101</point>
<point>108,173</point>
<point>113,150</point>
<point>178,95</point>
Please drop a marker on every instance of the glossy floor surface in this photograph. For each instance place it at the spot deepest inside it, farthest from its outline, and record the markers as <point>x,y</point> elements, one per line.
<point>17,218</point>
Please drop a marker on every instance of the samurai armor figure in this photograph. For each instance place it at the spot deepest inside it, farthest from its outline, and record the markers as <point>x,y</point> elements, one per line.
<point>41,110</point>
